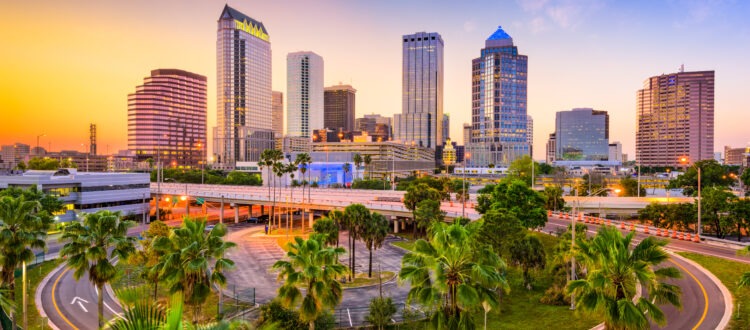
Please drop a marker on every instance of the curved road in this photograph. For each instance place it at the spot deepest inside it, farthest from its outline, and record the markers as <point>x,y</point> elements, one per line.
<point>702,301</point>
<point>71,304</point>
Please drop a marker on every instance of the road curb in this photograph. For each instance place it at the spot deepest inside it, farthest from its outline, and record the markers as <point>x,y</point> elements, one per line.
<point>728,299</point>
<point>38,295</point>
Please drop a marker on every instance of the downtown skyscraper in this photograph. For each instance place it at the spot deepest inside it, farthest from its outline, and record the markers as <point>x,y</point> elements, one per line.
<point>244,117</point>
<point>421,118</point>
<point>498,104</point>
<point>304,93</point>
<point>339,106</point>
<point>167,119</point>
<point>675,118</point>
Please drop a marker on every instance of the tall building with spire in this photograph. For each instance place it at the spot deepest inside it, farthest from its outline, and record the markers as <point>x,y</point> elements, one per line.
<point>421,118</point>
<point>243,77</point>
<point>498,118</point>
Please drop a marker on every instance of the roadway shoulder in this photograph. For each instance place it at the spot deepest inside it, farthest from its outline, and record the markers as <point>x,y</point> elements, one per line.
<point>38,295</point>
<point>728,303</point>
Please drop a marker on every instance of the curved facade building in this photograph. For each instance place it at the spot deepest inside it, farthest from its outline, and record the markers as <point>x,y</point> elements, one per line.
<point>167,115</point>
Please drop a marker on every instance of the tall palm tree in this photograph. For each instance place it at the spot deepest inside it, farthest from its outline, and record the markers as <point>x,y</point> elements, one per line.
<point>357,160</point>
<point>279,169</point>
<point>355,216</point>
<point>265,161</point>
<point>186,265</point>
<point>315,268</point>
<point>92,246</point>
<point>22,229</point>
<point>290,169</point>
<point>326,226</point>
<point>338,218</point>
<point>304,160</point>
<point>368,160</point>
<point>613,270</point>
<point>347,168</point>
<point>373,233</point>
<point>453,276</point>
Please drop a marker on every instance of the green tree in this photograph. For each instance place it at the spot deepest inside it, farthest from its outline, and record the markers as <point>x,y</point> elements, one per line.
<point>714,203</point>
<point>373,234</point>
<point>517,198</point>
<point>91,246</point>
<point>613,270</point>
<point>239,178</point>
<point>304,160</point>
<point>630,187</point>
<point>453,277</point>
<point>357,160</point>
<point>713,174</point>
<point>274,315</point>
<point>148,257</point>
<point>347,168</point>
<point>428,212</point>
<point>339,219</point>
<point>381,312</point>
<point>21,231</point>
<point>500,230</point>
<point>326,226</point>
<point>368,160</point>
<point>545,169</point>
<point>520,169</point>
<point>528,253</point>
<point>38,163</point>
<point>417,193</point>
<point>740,213</point>
<point>355,216</point>
<point>315,268</point>
<point>553,198</point>
<point>49,203</point>
<point>21,166</point>
<point>186,262</point>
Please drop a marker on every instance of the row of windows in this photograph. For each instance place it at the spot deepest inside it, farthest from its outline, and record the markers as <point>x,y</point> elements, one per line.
<point>115,187</point>
<point>108,204</point>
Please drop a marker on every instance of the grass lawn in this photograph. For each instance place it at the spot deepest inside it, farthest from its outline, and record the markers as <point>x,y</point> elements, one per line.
<point>409,245</point>
<point>34,275</point>
<point>728,272</point>
<point>361,279</point>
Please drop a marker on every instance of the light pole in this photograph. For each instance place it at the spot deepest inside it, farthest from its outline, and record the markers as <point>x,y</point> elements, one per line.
<point>685,161</point>
<point>463,190</point>
<point>37,141</point>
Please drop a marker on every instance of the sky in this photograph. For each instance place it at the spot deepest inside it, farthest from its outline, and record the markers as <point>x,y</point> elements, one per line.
<point>66,64</point>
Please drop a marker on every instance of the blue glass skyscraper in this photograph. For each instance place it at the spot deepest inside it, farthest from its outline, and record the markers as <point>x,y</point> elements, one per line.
<point>498,106</point>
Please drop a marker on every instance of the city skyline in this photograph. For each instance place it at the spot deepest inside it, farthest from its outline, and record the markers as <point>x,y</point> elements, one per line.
<point>582,54</point>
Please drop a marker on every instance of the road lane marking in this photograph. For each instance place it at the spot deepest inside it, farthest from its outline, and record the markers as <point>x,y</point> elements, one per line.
<point>107,305</point>
<point>54,301</point>
<point>705,295</point>
<point>80,302</point>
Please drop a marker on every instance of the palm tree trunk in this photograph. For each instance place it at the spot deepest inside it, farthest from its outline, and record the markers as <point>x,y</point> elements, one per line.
<point>312,325</point>
<point>351,263</point>
<point>156,288</point>
<point>369,271</point>
<point>100,305</point>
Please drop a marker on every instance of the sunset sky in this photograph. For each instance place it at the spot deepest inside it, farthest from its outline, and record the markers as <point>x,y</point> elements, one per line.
<point>65,64</point>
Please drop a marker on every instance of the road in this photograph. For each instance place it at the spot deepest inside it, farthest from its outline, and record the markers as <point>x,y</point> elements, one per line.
<point>71,304</point>
<point>703,302</point>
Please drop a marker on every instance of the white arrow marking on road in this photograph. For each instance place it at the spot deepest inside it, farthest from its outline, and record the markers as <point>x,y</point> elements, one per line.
<point>80,303</point>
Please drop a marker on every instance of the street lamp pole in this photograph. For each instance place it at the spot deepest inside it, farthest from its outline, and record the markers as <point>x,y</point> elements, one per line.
<point>572,249</point>
<point>37,141</point>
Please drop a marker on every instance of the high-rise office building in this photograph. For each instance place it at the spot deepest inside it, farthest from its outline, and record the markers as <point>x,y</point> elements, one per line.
<point>615,152</point>
<point>551,149</point>
<point>530,134</point>
<point>675,116</point>
<point>339,107</point>
<point>377,126</point>
<point>498,107</point>
<point>421,118</point>
<point>243,77</point>
<point>582,134</point>
<point>446,128</point>
<point>277,107</point>
<point>167,115</point>
<point>467,134</point>
<point>304,93</point>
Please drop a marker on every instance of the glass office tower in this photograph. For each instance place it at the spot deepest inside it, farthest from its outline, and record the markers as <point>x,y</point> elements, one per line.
<point>582,134</point>
<point>498,106</point>
<point>244,117</point>
<point>421,119</point>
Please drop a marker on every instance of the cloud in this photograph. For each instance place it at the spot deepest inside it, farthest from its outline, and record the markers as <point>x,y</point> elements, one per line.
<point>470,26</point>
<point>566,14</point>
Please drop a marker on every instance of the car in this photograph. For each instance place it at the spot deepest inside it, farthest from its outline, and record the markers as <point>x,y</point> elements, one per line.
<point>263,218</point>
<point>253,220</point>
<point>209,228</point>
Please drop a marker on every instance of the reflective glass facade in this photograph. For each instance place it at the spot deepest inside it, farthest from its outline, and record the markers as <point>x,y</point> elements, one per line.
<point>339,108</point>
<point>675,115</point>
<point>582,134</point>
<point>167,115</point>
<point>498,118</point>
<point>421,118</point>
<point>244,117</point>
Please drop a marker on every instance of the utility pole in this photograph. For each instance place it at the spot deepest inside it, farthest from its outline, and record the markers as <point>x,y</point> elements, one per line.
<point>572,247</point>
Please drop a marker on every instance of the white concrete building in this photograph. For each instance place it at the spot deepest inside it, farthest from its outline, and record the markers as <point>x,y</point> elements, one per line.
<point>304,93</point>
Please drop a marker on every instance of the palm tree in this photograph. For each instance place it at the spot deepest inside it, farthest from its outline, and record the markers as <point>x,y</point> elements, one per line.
<point>338,219</point>
<point>414,195</point>
<point>22,228</point>
<point>347,168</point>
<point>315,268</point>
<point>326,226</point>
<point>279,169</point>
<point>452,276</point>
<point>290,169</point>
<point>368,160</point>
<point>355,216</point>
<point>266,161</point>
<point>373,233</point>
<point>92,246</point>
<point>188,251</point>
<point>613,270</point>
<point>304,160</point>
<point>357,160</point>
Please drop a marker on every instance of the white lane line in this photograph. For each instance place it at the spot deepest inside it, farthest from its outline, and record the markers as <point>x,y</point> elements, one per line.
<point>107,305</point>
<point>350,317</point>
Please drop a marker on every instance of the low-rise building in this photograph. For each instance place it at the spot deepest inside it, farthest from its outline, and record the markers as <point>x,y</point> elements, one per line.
<point>388,158</point>
<point>88,192</point>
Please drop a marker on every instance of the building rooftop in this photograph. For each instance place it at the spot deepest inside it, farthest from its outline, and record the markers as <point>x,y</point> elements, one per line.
<point>499,39</point>
<point>230,12</point>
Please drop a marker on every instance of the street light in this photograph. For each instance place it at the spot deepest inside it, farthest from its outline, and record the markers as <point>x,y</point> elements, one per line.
<point>463,186</point>
<point>37,140</point>
<point>573,237</point>
<point>684,161</point>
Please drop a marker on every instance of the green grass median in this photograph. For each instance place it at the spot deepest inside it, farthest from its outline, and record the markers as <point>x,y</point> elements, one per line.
<point>34,275</point>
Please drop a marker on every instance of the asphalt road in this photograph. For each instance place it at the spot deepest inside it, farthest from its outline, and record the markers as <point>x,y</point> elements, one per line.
<point>702,300</point>
<point>72,304</point>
